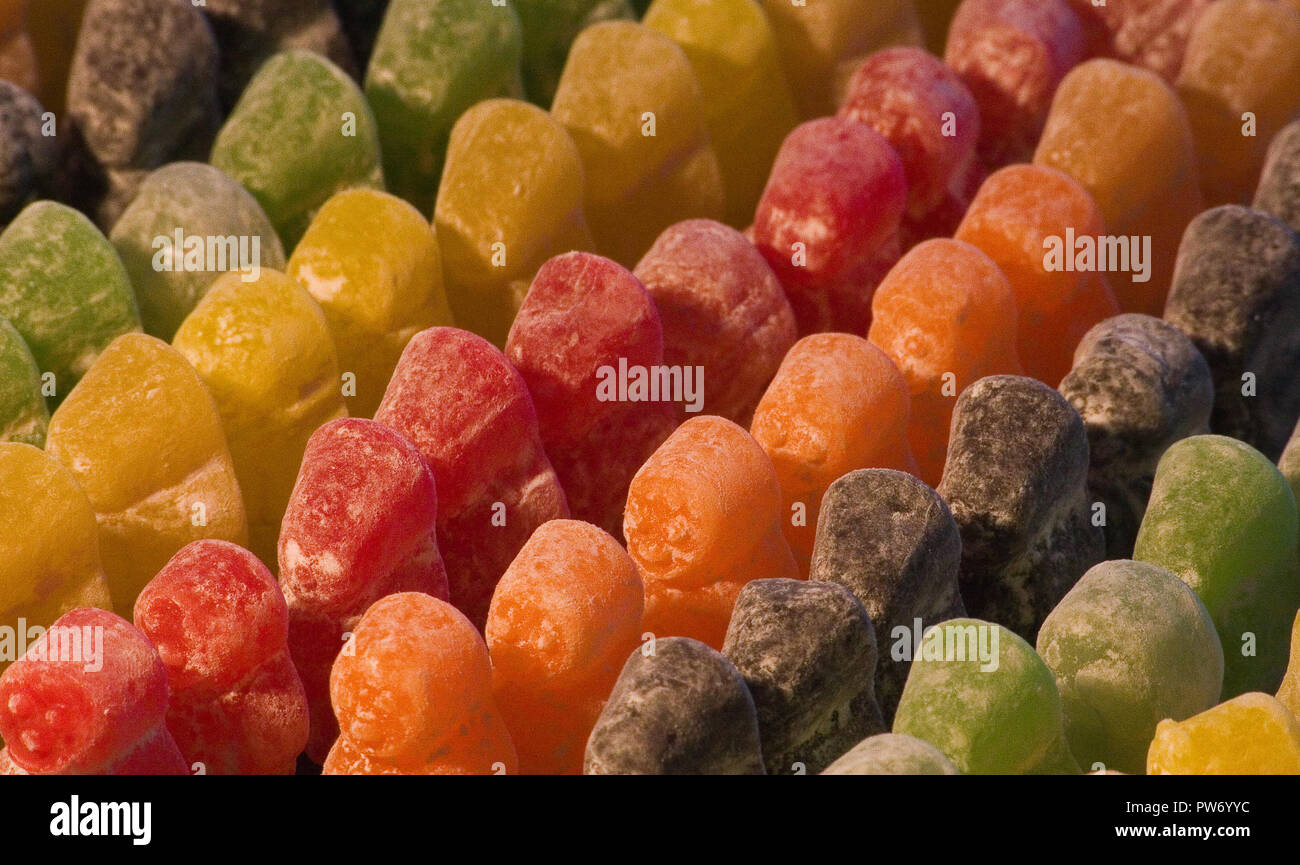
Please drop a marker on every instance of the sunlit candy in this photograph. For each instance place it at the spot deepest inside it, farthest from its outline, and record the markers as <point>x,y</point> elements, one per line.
<point>469,412</point>
<point>828,221</point>
<point>361,524</point>
<point>1234,294</point>
<point>1252,734</point>
<point>433,59</point>
<point>1140,385</point>
<point>1130,645</point>
<point>807,653</point>
<point>1289,693</point>
<point>585,324</point>
<point>891,540</point>
<point>27,155</point>
<point>142,435</point>
<point>1016,480</point>
<point>300,132</point>
<point>703,518</point>
<point>946,316</point>
<point>372,262</point>
<point>549,28</point>
<point>1150,33</point>
<point>564,618</point>
<point>188,224</point>
<point>219,623</point>
<point>892,754</point>
<point>633,105</point>
<point>89,698</point>
<point>678,708</point>
<point>1223,518</point>
<point>64,289</point>
<point>263,348</point>
<point>24,416</point>
<point>706,278</point>
<point>1279,182</point>
<point>510,198</point>
<point>412,691</point>
<point>838,403</point>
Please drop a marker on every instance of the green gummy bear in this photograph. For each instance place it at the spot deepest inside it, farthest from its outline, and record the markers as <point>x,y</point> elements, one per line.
<point>300,132</point>
<point>981,695</point>
<point>1223,519</point>
<point>202,202</point>
<point>549,28</point>
<point>64,289</point>
<point>892,754</point>
<point>1130,645</point>
<point>433,60</point>
<point>23,413</point>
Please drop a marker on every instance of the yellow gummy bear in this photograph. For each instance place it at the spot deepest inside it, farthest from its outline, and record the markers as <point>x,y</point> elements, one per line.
<point>142,435</point>
<point>631,101</point>
<point>1289,693</point>
<point>510,198</point>
<point>263,348</point>
<point>1252,734</point>
<point>372,263</point>
<point>49,546</point>
<point>748,104</point>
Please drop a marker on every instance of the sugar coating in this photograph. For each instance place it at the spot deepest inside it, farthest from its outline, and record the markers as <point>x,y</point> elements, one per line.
<point>1016,480</point>
<point>1150,33</point>
<point>1289,693</point>
<point>679,708</point>
<point>564,618</point>
<point>24,416</point>
<point>361,524</point>
<point>1279,182</point>
<point>707,278</point>
<point>807,652</point>
<point>1234,295</point>
<point>143,437</point>
<point>27,158</point>
<point>892,754</point>
<point>220,625</point>
<point>1129,645</point>
<point>1003,721</point>
<point>891,540</point>
<point>1252,734</point>
<point>1223,518</point>
<point>549,28</point>
<point>201,202</point>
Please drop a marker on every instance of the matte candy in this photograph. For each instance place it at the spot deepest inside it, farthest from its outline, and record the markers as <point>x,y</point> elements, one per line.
<point>748,104</point>
<point>64,289</point>
<point>1141,172</point>
<point>1289,462</point>
<point>27,157</point>
<point>703,518</point>
<point>511,197</point>
<point>23,414</point>
<point>1150,33</point>
<point>1129,645</point>
<point>263,348</point>
<point>89,700</point>
<point>1140,385</point>
<point>678,708</point>
<point>433,60</point>
<point>807,653</point>
<point>1012,54</point>
<point>892,541</point>
<point>220,625</point>
<point>946,316</point>
<point>1234,294</point>
<point>469,412</point>
<point>632,103</point>
<point>373,264</point>
<point>1279,182</point>
<point>49,549</point>
<point>1289,693</point>
<point>1243,60</point>
<point>586,318</point>
<point>209,210</point>
<point>828,221</point>
<point>892,754</point>
<point>361,524</point>
<point>413,695</point>
<point>142,434</point>
<point>1016,480</point>
<point>549,28</point>
<point>838,403</point>
<point>983,697</point>
<point>707,278</point>
<point>564,618</point>
<point>1252,734</point>
<point>300,132</point>
<point>1223,519</point>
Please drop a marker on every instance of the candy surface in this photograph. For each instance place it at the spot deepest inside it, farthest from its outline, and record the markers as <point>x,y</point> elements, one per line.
<point>1279,182</point>
<point>1252,734</point>
<point>24,416</point>
<point>892,754</point>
